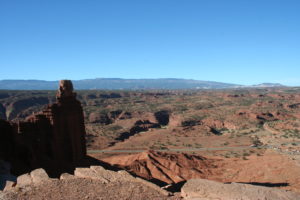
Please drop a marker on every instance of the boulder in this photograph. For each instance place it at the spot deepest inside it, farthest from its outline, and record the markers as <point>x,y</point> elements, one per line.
<point>65,176</point>
<point>9,185</point>
<point>39,175</point>
<point>24,180</point>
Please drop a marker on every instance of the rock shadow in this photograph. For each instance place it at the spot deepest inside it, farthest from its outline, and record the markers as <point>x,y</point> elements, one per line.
<point>175,187</point>
<point>266,184</point>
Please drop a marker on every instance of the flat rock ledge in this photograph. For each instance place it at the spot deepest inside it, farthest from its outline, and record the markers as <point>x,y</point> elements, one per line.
<point>202,189</point>
<point>106,176</point>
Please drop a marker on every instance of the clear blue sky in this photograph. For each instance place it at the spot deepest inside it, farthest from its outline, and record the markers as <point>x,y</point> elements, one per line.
<point>235,41</point>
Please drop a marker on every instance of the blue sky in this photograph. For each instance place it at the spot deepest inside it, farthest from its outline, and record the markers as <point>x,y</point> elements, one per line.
<point>235,41</point>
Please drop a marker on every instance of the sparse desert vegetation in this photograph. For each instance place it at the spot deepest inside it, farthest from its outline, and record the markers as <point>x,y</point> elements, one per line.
<point>231,129</point>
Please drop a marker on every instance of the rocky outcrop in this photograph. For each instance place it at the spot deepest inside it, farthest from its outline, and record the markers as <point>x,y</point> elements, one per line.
<point>139,126</point>
<point>95,182</point>
<point>163,167</point>
<point>53,139</point>
<point>14,109</point>
<point>162,117</point>
<point>143,125</point>
<point>190,122</point>
<point>35,177</point>
<point>125,115</point>
<point>211,190</point>
<point>107,176</point>
<point>263,116</point>
<point>294,106</point>
<point>86,183</point>
<point>101,118</point>
<point>217,124</point>
<point>109,117</point>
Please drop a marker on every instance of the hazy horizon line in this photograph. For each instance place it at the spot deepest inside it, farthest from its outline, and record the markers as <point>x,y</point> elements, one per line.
<point>162,78</point>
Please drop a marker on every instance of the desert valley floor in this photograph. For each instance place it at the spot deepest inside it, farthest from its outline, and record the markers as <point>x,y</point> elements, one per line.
<point>238,135</point>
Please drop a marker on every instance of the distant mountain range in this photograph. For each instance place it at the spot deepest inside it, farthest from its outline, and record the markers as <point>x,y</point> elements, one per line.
<point>125,84</point>
<point>262,85</point>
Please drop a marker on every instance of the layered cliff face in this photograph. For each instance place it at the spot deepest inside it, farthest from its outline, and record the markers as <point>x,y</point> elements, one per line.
<point>53,139</point>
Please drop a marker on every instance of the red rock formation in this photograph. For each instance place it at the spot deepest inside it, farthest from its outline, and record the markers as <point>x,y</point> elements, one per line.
<point>165,167</point>
<point>53,139</point>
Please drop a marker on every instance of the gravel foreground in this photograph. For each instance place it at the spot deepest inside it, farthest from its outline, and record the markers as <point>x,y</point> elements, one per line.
<point>81,188</point>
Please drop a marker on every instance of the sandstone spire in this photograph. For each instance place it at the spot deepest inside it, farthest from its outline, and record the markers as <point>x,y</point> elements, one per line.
<point>53,139</point>
<point>65,90</point>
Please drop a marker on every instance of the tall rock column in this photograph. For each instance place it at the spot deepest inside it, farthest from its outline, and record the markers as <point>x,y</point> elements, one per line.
<point>53,139</point>
<point>66,117</point>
